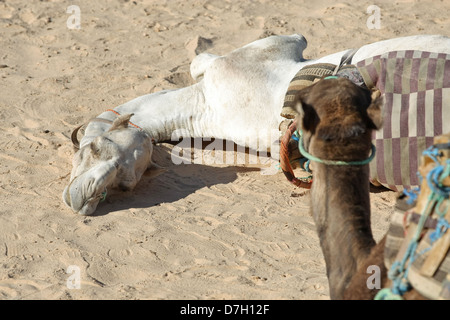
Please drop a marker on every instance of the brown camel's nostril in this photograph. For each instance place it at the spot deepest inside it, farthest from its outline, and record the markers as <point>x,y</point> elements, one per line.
<point>124,187</point>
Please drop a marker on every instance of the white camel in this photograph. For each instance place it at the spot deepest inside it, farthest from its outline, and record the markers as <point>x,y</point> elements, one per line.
<point>238,97</point>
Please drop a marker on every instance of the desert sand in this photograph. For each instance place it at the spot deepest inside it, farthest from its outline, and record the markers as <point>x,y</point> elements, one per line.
<point>196,231</point>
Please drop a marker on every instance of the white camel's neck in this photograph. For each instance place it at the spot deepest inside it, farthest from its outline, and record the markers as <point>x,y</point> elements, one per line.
<point>162,115</point>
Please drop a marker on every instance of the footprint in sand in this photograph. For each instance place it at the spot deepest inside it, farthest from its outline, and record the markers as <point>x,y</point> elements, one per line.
<point>118,254</point>
<point>9,245</point>
<point>21,288</point>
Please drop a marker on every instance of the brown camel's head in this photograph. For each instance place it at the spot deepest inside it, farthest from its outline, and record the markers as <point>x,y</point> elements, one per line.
<point>337,118</point>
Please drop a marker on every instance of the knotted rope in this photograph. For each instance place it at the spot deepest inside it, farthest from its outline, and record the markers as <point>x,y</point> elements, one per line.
<point>439,192</point>
<point>285,162</point>
<point>334,162</point>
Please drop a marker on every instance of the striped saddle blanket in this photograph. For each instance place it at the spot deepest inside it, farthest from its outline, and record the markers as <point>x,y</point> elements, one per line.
<point>416,90</point>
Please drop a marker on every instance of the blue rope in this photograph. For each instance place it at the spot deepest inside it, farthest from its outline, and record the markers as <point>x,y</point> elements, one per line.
<point>432,152</point>
<point>412,195</point>
<point>278,166</point>
<point>441,228</point>
<point>304,164</point>
<point>435,178</point>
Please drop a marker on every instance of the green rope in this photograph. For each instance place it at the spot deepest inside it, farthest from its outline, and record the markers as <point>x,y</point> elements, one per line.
<point>103,196</point>
<point>333,162</point>
<point>387,294</point>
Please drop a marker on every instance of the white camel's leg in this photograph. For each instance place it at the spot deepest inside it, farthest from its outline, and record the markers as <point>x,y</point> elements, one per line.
<point>200,63</point>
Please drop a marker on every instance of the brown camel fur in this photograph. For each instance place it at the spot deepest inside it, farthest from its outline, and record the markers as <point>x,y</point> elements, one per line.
<point>337,120</point>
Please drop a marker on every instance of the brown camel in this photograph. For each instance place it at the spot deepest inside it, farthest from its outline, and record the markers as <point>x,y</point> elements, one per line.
<point>337,120</point>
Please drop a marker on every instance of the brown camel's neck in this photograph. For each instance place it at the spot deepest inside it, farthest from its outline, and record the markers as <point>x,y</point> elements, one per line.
<point>341,211</point>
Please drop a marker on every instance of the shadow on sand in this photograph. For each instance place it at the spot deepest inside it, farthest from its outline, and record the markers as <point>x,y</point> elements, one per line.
<point>177,182</point>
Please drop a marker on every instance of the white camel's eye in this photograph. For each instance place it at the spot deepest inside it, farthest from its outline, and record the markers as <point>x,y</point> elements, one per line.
<point>95,150</point>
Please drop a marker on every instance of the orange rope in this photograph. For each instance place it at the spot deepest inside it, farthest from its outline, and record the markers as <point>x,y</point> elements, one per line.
<point>131,123</point>
<point>134,125</point>
<point>284,159</point>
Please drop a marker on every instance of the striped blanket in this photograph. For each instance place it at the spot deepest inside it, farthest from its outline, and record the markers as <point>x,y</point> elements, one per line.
<point>304,78</point>
<point>416,89</point>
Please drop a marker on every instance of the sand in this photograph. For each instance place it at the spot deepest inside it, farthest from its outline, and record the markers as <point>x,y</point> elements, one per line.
<point>196,231</point>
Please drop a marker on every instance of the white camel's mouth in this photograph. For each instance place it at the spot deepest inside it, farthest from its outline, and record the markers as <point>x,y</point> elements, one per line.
<point>85,191</point>
<point>88,207</point>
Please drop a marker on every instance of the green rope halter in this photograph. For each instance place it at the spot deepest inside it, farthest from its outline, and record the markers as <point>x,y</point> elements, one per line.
<point>333,162</point>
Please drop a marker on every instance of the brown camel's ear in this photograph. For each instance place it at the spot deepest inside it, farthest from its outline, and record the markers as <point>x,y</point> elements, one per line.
<point>308,117</point>
<point>121,122</point>
<point>375,110</point>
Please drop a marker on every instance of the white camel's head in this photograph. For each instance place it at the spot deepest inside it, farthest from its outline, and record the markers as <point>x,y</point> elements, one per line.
<point>117,158</point>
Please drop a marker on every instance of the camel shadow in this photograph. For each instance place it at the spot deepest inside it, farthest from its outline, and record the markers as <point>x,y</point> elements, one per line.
<point>176,183</point>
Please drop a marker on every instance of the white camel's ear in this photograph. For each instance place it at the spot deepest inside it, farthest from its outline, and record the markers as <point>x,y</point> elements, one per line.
<point>121,122</point>
<point>154,170</point>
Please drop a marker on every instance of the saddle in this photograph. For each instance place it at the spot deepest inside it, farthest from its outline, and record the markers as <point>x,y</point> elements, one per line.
<point>415,86</point>
<point>308,75</point>
<point>418,240</point>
